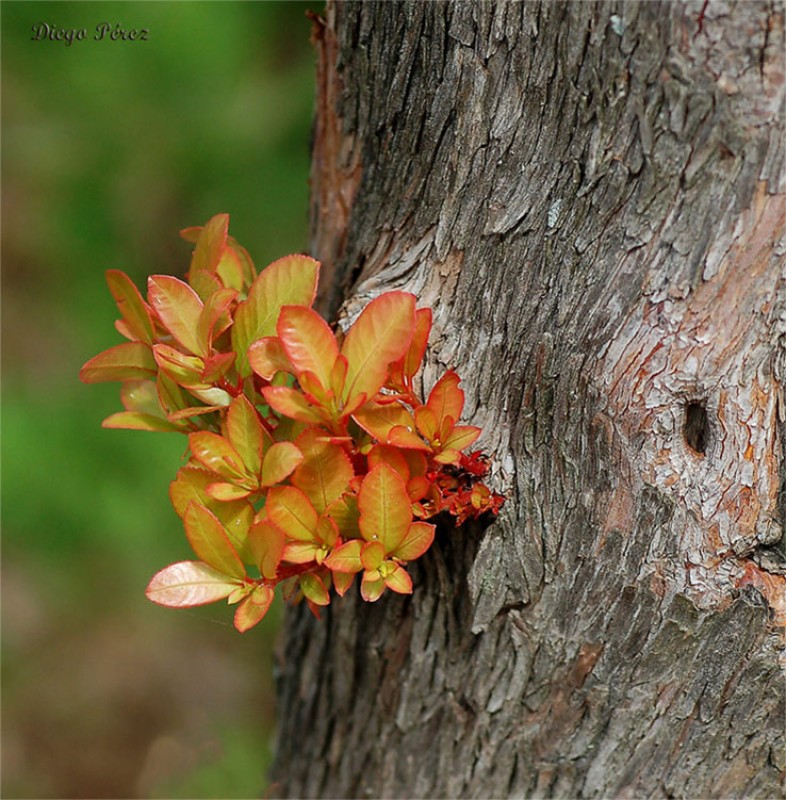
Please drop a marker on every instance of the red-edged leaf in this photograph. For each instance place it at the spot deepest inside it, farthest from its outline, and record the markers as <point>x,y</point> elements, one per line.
<point>344,512</point>
<point>217,454</point>
<point>127,361</point>
<point>392,456</point>
<point>226,492</point>
<point>280,462</point>
<point>314,590</point>
<point>308,342</point>
<point>266,546</point>
<point>289,281</point>
<point>253,608</point>
<point>404,369</point>
<point>399,581</point>
<point>346,557</point>
<point>426,420</point>
<point>372,555</point>
<point>189,583</point>
<point>182,369</point>
<point>380,335</point>
<point>210,243</point>
<point>137,421</point>
<point>267,357</point>
<point>446,399</point>
<point>384,504</point>
<point>342,581</point>
<point>418,539</point>
<point>371,588</point>
<point>417,348</point>
<point>461,437</point>
<point>245,433</point>
<point>291,403</point>
<point>132,307</point>
<point>300,552</point>
<point>379,419</point>
<point>210,541</point>
<point>191,486</point>
<point>404,437</point>
<point>213,318</point>
<point>204,283</point>
<point>178,307</point>
<point>325,472</point>
<point>231,269</point>
<point>291,510</point>
<point>216,366</point>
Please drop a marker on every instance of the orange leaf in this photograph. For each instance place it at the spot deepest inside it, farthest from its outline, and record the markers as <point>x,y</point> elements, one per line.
<point>210,542</point>
<point>266,546</point>
<point>187,584</point>
<point>214,313</point>
<point>371,588</point>
<point>210,243</point>
<point>280,462</point>
<point>178,307</point>
<point>418,539</point>
<point>379,419</point>
<point>289,281</point>
<point>314,589</point>
<point>245,433</point>
<point>291,403</point>
<point>380,335</point>
<point>267,357</point>
<point>127,361</point>
<point>392,456</point>
<point>404,437</point>
<point>461,436</point>
<point>182,369</point>
<point>385,512</point>
<point>399,580</point>
<point>217,454</point>
<point>308,342</point>
<point>405,368</point>
<point>132,307</point>
<point>346,557</point>
<point>289,509</point>
<point>253,608</point>
<point>446,399</point>
<point>325,471</point>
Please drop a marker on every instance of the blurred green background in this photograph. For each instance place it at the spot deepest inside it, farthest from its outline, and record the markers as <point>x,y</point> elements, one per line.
<point>108,149</point>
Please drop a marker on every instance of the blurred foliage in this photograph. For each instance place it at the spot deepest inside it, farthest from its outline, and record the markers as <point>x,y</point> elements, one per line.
<point>108,149</point>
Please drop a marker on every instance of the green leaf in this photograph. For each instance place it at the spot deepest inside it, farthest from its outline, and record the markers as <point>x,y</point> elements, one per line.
<point>385,511</point>
<point>189,583</point>
<point>291,280</point>
<point>127,361</point>
<point>280,462</point>
<point>380,335</point>
<point>372,555</point>
<point>182,369</point>
<point>308,342</point>
<point>132,307</point>
<point>210,541</point>
<point>253,608</point>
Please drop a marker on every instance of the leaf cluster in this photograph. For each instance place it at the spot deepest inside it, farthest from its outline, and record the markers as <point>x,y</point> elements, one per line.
<point>311,460</point>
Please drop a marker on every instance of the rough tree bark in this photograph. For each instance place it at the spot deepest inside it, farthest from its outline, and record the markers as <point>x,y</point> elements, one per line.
<point>590,196</point>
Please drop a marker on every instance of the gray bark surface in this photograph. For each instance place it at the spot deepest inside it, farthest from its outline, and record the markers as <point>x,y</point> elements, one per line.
<point>591,198</point>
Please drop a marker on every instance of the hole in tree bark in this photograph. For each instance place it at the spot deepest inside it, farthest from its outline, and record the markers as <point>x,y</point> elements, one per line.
<point>697,428</point>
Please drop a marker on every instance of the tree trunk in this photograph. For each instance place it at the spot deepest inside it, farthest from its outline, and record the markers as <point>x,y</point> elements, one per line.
<point>590,196</point>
